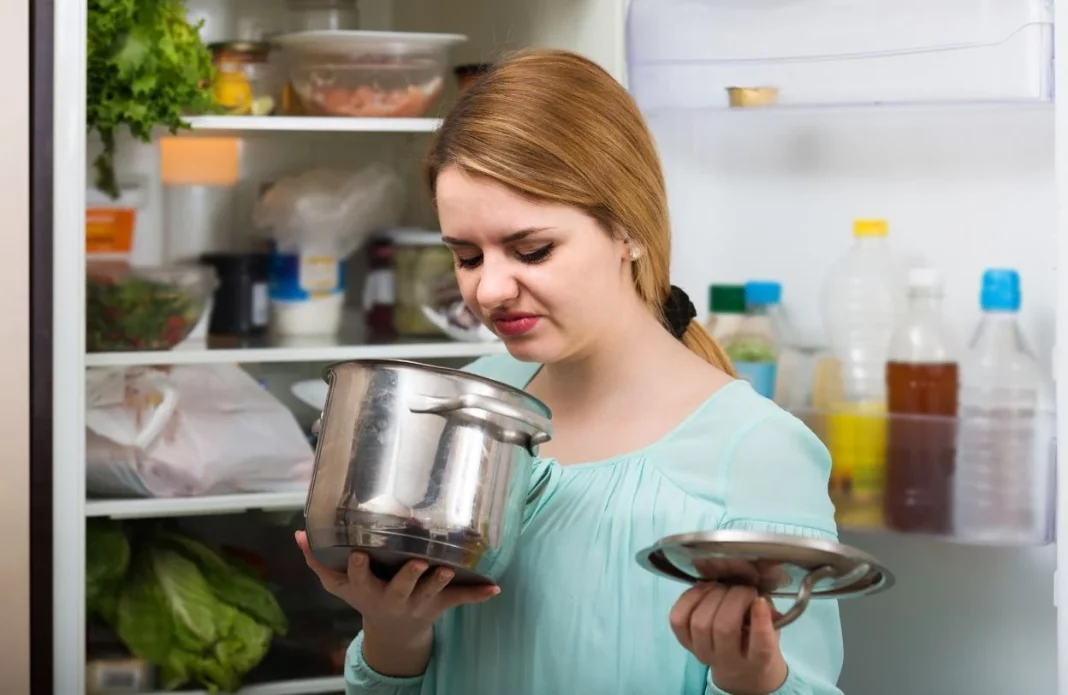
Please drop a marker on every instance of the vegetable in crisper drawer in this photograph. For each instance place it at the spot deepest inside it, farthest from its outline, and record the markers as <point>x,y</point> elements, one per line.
<point>180,605</point>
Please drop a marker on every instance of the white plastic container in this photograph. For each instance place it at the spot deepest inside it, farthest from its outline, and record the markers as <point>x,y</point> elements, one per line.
<point>307,293</point>
<point>684,54</point>
<point>1002,480</point>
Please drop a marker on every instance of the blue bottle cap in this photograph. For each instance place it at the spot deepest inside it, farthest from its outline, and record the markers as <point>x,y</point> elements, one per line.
<point>761,292</point>
<point>1001,290</point>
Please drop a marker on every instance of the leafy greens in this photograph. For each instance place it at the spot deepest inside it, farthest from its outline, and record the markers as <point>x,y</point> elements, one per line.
<point>146,67</point>
<point>179,605</point>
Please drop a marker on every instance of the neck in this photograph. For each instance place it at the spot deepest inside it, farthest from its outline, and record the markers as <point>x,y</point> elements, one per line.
<point>633,352</point>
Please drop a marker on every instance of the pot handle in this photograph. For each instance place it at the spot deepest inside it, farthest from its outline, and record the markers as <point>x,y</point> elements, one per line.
<point>804,595</point>
<point>540,428</point>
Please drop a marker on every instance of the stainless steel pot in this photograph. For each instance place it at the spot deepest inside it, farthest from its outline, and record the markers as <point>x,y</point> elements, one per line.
<point>415,461</point>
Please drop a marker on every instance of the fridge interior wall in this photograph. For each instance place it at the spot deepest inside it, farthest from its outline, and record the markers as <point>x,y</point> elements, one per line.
<point>772,195</point>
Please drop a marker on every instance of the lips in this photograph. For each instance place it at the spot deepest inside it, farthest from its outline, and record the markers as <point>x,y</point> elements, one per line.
<point>511,325</point>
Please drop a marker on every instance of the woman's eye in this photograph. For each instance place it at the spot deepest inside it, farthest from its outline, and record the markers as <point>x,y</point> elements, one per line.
<point>536,256</point>
<point>470,262</point>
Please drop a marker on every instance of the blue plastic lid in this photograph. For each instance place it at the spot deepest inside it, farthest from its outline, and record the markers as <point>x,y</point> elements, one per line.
<point>761,292</point>
<point>1001,290</point>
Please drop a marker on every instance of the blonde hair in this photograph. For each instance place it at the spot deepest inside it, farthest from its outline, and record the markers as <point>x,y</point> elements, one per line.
<point>554,126</point>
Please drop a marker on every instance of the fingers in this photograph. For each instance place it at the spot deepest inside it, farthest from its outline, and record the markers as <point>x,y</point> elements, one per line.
<point>702,621</point>
<point>727,637</point>
<point>331,579</point>
<point>404,582</point>
<point>425,595</point>
<point>681,612</point>
<point>763,638</point>
<point>363,582</point>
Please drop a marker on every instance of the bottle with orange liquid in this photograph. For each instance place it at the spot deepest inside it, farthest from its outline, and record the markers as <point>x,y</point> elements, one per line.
<point>922,383</point>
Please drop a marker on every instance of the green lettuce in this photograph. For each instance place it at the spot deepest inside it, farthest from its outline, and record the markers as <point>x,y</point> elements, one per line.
<point>186,609</point>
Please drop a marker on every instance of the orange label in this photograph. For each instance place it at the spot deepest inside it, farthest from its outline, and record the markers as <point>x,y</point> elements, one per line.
<point>199,161</point>
<point>109,230</point>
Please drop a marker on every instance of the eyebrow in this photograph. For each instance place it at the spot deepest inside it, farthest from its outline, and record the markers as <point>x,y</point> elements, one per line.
<point>511,238</point>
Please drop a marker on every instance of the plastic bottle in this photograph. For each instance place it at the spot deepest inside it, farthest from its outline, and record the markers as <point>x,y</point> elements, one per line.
<point>998,490</point>
<point>754,348</point>
<point>726,309</point>
<point>922,385</point>
<point>862,299</point>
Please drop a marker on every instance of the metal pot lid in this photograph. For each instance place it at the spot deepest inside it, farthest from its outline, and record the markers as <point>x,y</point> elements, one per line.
<point>775,564</point>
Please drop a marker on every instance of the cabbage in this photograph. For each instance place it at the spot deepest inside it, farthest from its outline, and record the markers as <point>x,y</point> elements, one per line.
<point>189,611</point>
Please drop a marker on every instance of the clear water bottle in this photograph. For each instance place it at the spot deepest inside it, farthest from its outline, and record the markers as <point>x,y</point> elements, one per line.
<point>862,301</point>
<point>998,492</point>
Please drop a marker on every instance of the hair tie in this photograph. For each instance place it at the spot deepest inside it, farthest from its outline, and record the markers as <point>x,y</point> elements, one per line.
<point>679,311</point>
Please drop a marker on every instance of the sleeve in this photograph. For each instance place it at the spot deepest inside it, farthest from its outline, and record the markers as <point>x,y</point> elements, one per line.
<point>775,480</point>
<point>361,679</point>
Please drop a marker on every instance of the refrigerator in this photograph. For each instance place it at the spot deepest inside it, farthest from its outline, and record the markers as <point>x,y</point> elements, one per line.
<point>939,117</point>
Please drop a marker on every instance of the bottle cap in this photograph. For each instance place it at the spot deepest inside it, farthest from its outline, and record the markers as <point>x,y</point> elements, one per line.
<point>763,292</point>
<point>1001,290</point>
<point>870,228</point>
<point>726,299</point>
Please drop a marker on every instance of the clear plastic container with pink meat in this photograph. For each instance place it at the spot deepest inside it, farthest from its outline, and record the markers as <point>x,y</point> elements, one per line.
<point>369,74</point>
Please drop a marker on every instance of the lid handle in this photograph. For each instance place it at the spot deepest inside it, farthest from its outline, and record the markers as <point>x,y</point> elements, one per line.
<point>537,427</point>
<point>804,595</point>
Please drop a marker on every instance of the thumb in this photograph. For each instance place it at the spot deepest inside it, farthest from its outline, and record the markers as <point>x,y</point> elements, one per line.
<point>763,637</point>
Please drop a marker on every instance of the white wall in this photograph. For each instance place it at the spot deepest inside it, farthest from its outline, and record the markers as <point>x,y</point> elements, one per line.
<point>772,195</point>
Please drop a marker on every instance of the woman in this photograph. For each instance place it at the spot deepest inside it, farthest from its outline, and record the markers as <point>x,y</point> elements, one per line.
<point>550,195</point>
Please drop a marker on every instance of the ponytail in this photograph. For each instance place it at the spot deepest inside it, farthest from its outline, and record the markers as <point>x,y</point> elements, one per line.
<point>701,343</point>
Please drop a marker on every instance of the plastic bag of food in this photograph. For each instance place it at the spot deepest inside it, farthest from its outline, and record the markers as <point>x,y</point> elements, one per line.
<point>187,431</point>
<point>330,212</point>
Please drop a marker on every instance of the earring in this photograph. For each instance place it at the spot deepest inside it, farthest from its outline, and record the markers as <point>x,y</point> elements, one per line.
<point>635,253</point>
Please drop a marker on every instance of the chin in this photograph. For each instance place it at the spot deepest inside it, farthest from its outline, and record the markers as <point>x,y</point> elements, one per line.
<point>532,350</point>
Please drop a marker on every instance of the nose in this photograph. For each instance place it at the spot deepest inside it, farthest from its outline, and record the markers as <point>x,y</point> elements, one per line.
<point>497,284</point>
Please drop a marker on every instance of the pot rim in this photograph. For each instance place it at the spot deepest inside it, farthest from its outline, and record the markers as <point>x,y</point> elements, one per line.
<point>445,371</point>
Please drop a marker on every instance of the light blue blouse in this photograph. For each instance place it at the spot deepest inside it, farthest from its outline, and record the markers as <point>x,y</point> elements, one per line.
<point>576,614</point>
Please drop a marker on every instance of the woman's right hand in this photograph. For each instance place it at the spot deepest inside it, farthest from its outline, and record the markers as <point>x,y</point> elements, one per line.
<point>408,604</point>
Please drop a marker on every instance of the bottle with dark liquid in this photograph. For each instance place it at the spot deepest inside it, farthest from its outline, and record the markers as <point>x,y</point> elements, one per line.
<point>922,383</point>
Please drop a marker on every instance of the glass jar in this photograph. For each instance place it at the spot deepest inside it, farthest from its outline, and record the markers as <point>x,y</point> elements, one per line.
<point>420,261</point>
<point>245,81</point>
<point>323,15</point>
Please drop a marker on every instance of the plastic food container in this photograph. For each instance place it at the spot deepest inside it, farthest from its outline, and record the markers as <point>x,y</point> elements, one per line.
<point>307,294</point>
<point>369,74</point>
<point>421,261</point>
<point>144,308</point>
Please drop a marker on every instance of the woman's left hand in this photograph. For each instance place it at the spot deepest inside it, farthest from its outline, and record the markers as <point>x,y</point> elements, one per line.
<point>708,620</point>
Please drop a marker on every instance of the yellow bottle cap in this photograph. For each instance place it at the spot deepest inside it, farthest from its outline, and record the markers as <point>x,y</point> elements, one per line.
<point>869,228</point>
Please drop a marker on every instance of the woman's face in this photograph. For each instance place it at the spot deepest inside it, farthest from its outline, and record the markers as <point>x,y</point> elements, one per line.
<point>544,277</point>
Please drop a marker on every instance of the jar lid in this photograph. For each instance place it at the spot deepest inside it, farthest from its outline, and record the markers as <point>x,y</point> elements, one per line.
<point>256,48</point>
<point>775,564</point>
